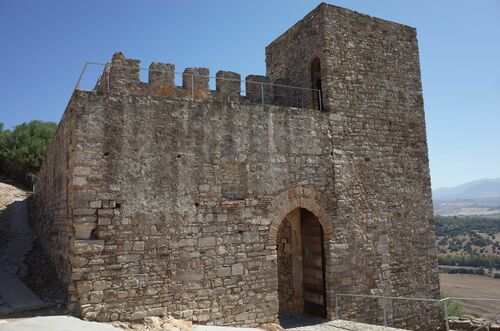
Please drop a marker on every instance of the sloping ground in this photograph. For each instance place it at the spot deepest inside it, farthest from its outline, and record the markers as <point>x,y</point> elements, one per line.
<point>63,323</point>
<point>8,195</point>
<point>341,325</point>
<point>473,286</point>
<point>54,323</point>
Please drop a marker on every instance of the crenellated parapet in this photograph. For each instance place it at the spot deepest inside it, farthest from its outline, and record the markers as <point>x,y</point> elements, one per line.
<point>122,76</point>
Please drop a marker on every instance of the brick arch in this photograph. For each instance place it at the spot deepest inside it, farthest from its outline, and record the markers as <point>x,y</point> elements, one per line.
<point>298,197</point>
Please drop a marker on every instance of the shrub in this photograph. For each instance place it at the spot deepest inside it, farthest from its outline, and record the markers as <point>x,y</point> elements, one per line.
<point>22,149</point>
<point>453,308</point>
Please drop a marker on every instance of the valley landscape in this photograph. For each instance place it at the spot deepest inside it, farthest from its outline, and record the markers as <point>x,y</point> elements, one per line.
<point>468,238</point>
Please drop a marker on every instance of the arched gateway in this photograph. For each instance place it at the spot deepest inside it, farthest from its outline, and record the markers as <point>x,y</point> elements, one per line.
<point>301,264</point>
<point>301,230</point>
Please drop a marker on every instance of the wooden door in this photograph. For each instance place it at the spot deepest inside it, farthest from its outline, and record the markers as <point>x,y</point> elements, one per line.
<point>313,265</point>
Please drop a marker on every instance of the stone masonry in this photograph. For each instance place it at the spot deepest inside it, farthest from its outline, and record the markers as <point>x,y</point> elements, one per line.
<point>156,199</point>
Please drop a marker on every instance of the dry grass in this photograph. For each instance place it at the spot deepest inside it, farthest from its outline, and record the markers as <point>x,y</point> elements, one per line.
<point>473,286</point>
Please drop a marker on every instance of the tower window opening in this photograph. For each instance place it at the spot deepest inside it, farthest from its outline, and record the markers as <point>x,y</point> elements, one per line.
<point>316,84</point>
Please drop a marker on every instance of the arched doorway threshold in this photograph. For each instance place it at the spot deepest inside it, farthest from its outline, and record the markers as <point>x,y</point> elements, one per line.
<point>301,265</point>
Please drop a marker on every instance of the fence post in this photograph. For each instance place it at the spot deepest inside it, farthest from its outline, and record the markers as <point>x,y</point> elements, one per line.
<point>385,311</point>
<point>320,101</point>
<point>337,307</point>
<point>446,313</point>
<point>81,75</point>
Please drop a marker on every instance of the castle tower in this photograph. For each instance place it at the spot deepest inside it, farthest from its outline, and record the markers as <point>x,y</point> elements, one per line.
<point>360,63</point>
<point>216,207</point>
<point>367,72</point>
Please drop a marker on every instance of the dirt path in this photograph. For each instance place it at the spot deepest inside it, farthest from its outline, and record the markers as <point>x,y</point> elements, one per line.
<point>8,195</point>
<point>14,295</point>
<point>13,255</point>
<point>473,286</point>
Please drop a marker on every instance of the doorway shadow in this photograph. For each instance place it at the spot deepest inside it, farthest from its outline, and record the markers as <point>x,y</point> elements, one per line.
<point>290,320</point>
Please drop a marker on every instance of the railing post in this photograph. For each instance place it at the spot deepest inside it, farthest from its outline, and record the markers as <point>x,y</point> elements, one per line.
<point>446,314</point>
<point>81,75</point>
<point>385,311</point>
<point>320,101</point>
<point>337,307</point>
<point>262,92</point>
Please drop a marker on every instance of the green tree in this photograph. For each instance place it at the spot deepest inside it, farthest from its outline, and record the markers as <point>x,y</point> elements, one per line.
<point>22,149</point>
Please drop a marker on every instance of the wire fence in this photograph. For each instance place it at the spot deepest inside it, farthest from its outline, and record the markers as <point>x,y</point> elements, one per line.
<point>194,86</point>
<point>392,311</point>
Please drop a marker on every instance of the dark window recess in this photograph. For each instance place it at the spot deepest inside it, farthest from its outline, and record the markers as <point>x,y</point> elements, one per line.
<point>316,84</point>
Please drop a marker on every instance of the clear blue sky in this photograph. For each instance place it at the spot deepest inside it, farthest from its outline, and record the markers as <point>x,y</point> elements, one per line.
<point>43,45</point>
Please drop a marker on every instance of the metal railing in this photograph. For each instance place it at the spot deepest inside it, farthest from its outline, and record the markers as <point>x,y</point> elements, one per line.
<point>264,93</point>
<point>384,300</point>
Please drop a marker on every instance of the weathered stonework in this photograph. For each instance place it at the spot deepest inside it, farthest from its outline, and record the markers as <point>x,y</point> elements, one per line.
<point>158,199</point>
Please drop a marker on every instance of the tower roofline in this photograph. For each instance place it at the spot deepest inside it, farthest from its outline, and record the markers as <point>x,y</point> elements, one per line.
<point>326,6</point>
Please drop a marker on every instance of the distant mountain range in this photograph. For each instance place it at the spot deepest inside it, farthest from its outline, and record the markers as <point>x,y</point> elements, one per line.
<point>478,189</point>
<point>479,197</point>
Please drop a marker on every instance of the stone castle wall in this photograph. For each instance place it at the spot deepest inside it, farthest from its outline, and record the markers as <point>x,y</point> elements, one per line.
<point>174,196</point>
<point>53,196</point>
<point>171,237</point>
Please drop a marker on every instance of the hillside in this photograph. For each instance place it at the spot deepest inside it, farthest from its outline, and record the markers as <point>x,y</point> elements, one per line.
<point>478,189</point>
<point>468,236</point>
<point>479,197</point>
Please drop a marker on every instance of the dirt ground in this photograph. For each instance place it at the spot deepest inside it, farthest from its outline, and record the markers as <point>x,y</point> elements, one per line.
<point>8,194</point>
<point>473,286</point>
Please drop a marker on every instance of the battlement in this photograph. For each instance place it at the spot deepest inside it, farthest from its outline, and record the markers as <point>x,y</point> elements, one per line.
<point>122,76</point>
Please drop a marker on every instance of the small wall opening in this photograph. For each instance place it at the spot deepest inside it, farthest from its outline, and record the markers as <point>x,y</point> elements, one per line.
<point>301,265</point>
<point>316,84</point>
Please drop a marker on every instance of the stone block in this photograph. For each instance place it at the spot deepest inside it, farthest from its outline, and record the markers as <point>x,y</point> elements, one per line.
<point>96,296</point>
<point>123,74</point>
<point>258,89</point>
<point>101,285</point>
<point>207,242</point>
<point>95,204</point>
<point>88,246</point>
<point>84,211</point>
<point>195,82</point>
<point>228,83</point>
<point>190,275</point>
<point>221,217</point>
<point>84,230</point>
<point>84,287</point>
<point>237,269</point>
<point>127,258</point>
<point>105,212</point>
<point>79,180</point>
<point>223,272</point>
<point>138,315</point>
<point>189,242</point>
<point>138,246</point>
<point>81,171</point>
<point>161,78</point>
